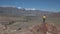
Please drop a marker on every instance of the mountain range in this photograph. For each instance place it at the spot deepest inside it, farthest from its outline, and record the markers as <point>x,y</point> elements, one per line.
<point>13,11</point>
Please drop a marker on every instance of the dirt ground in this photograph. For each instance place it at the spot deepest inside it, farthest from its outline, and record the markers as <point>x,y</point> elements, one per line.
<point>32,26</point>
<point>50,28</point>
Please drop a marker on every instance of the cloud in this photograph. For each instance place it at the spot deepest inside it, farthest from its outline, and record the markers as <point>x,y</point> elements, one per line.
<point>19,7</point>
<point>33,9</point>
<point>30,8</point>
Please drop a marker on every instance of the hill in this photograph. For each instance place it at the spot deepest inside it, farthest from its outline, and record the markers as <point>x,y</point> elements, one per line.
<point>56,15</point>
<point>21,12</point>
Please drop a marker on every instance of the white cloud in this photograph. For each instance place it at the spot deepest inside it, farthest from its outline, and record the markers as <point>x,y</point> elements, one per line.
<point>30,8</point>
<point>19,7</point>
<point>33,9</point>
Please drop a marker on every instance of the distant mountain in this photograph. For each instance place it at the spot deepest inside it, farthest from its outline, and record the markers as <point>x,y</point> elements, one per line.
<point>56,15</point>
<point>21,12</point>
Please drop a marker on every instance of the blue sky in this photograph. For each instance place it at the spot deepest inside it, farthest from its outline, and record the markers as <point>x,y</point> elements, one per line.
<point>51,5</point>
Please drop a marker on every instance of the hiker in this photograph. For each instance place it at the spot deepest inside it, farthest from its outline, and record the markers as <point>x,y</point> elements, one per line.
<point>44,18</point>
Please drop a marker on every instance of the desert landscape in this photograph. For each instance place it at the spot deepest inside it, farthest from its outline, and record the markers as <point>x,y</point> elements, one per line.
<point>21,21</point>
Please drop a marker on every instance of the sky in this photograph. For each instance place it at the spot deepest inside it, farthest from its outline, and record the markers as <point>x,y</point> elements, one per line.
<point>50,5</point>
